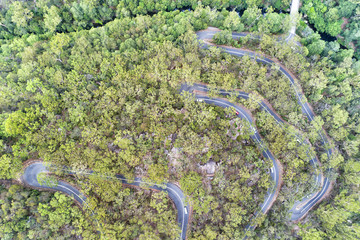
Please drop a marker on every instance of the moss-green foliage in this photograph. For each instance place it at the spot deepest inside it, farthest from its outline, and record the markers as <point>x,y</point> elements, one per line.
<point>331,86</point>
<point>128,213</point>
<point>329,16</point>
<point>107,99</point>
<point>30,214</point>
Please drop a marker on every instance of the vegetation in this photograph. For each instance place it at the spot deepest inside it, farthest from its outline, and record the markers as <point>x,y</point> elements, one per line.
<point>30,214</point>
<point>127,213</point>
<point>94,85</point>
<point>324,82</point>
<point>338,18</point>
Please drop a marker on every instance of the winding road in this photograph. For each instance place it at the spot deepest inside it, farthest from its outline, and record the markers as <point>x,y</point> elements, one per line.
<point>300,207</point>
<point>243,114</point>
<point>31,172</point>
<point>30,178</point>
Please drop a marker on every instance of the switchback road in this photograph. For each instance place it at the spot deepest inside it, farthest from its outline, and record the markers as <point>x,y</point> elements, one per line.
<point>302,206</point>
<point>242,113</point>
<point>31,172</point>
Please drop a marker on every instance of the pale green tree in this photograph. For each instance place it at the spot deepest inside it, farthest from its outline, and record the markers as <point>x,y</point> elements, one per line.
<point>233,23</point>
<point>336,116</point>
<point>52,19</point>
<point>21,15</point>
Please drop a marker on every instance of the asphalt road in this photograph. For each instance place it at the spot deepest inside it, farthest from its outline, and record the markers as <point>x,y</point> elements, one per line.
<point>302,206</point>
<point>274,171</point>
<point>299,209</point>
<point>32,171</point>
<point>177,196</point>
<point>30,177</point>
<point>242,113</point>
<point>175,193</point>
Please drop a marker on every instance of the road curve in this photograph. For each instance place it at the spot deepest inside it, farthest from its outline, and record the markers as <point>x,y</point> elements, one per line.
<point>267,108</point>
<point>298,210</point>
<point>243,114</point>
<point>32,171</point>
<point>302,206</point>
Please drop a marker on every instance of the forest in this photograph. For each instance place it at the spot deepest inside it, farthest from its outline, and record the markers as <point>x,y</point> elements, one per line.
<point>338,19</point>
<point>95,85</point>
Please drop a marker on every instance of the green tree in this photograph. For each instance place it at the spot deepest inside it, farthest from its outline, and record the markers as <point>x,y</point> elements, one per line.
<point>251,16</point>
<point>52,19</point>
<point>16,123</point>
<point>312,233</point>
<point>336,116</point>
<point>223,37</point>
<point>9,166</point>
<point>21,14</point>
<point>233,22</point>
<point>316,47</point>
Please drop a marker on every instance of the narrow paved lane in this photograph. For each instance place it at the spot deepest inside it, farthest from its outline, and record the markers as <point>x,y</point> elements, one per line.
<point>298,210</point>
<point>302,206</point>
<point>30,177</point>
<point>275,175</point>
<point>243,113</point>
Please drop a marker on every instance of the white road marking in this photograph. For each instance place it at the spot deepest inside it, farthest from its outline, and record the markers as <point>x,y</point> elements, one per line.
<point>292,84</point>
<point>298,138</point>
<point>319,196</point>
<point>84,201</point>
<point>259,141</point>
<point>304,107</point>
<point>149,183</point>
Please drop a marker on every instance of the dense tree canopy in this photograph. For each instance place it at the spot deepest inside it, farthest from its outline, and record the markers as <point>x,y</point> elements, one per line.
<point>88,85</point>
<point>30,214</point>
<point>338,18</point>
